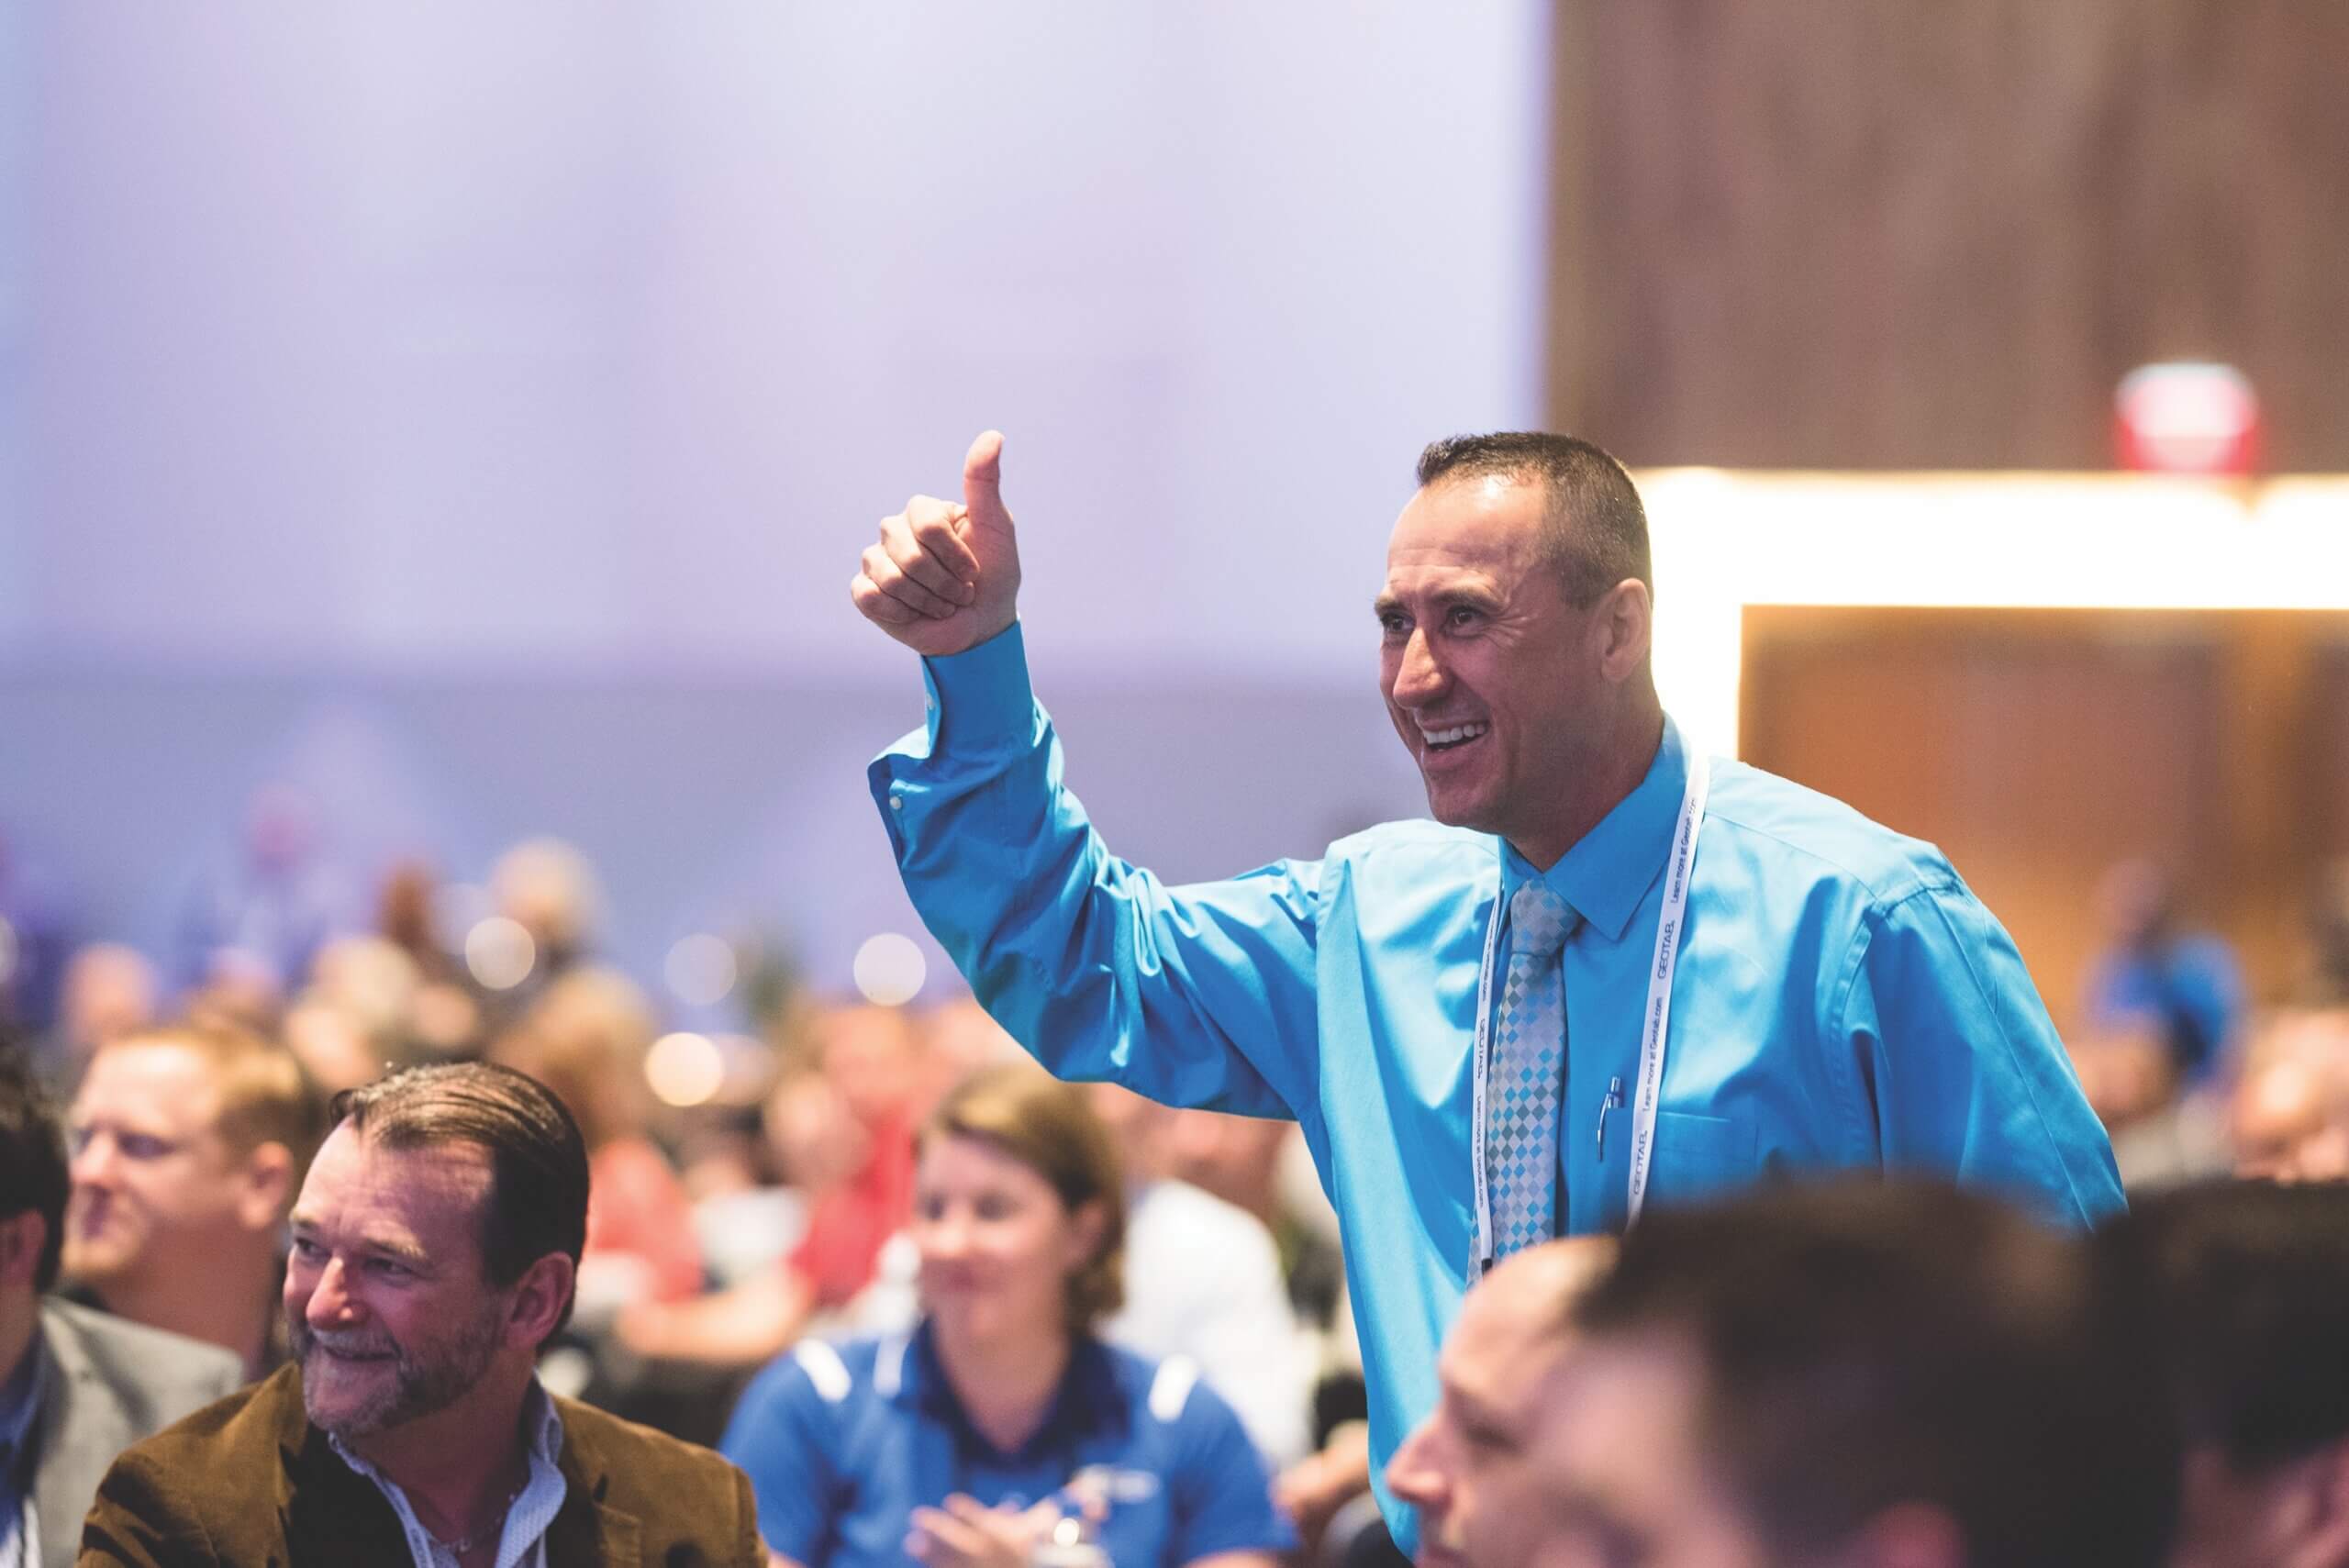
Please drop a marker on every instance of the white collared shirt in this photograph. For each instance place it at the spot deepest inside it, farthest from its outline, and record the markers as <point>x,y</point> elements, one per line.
<point>522,1543</point>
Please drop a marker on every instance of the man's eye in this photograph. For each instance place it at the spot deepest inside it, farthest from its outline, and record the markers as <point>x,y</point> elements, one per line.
<point>1394,626</point>
<point>389,1268</point>
<point>1460,616</point>
<point>309,1252</point>
<point>144,1146</point>
<point>992,1208</point>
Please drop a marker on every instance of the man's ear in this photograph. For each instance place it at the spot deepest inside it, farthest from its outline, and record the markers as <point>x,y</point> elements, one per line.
<point>1624,624</point>
<point>22,1238</point>
<point>266,1189</point>
<point>539,1296</point>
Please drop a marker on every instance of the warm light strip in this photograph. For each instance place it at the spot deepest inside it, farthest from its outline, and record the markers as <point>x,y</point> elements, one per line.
<point>1725,540</point>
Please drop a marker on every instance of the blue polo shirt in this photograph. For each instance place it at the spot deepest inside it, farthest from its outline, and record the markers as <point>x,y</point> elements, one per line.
<point>842,1443</point>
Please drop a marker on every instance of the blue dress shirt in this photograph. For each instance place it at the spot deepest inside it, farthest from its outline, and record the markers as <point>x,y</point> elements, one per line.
<point>1842,1000</point>
<point>842,1443</point>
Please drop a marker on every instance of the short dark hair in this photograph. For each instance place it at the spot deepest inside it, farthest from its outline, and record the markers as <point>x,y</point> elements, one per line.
<point>1594,531</point>
<point>538,1197</point>
<point>2247,1282</point>
<point>33,1173</point>
<point>1863,1344</point>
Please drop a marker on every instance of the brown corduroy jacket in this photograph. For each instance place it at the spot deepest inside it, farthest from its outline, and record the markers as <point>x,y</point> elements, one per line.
<point>249,1483</point>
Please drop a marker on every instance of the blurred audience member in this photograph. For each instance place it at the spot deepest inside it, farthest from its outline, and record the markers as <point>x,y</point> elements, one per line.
<point>189,1142</point>
<point>1203,1280</point>
<point>548,888</point>
<point>435,1247</point>
<point>1857,1374</point>
<point>75,1385</point>
<point>273,909</point>
<point>871,1066</point>
<point>444,1019</point>
<point>585,1039</point>
<point>406,917</point>
<point>1482,1468</point>
<point>2249,1282</point>
<point>1003,1426</point>
<point>959,1037</point>
<point>109,991</point>
<point>2184,987</point>
<point>2290,1114</point>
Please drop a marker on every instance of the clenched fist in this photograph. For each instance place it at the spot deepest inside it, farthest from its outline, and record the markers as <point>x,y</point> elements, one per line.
<point>943,577</point>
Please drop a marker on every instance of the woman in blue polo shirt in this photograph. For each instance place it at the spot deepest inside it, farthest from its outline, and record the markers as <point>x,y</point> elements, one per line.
<point>1001,1427</point>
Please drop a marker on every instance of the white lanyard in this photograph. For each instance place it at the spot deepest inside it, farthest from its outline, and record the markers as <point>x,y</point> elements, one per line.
<point>1655,1019</point>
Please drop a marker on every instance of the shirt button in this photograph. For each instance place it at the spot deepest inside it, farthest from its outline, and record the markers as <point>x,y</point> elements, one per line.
<point>896,803</point>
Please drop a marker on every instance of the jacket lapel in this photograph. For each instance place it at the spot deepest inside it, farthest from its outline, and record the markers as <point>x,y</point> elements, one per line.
<point>585,1530</point>
<point>328,1512</point>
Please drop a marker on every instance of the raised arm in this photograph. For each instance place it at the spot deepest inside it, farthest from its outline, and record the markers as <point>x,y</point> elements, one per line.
<point>1196,995</point>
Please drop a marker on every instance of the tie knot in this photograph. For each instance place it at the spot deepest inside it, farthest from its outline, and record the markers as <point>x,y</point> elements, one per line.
<point>1540,919</point>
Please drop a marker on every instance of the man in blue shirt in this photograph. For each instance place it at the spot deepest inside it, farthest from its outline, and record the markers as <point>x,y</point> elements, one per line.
<point>1843,999</point>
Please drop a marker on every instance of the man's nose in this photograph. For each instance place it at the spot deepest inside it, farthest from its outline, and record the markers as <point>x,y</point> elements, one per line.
<point>93,1165</point>
<point>331,1303</point>
<point>1415,1473</point>
<point>1419,677</point>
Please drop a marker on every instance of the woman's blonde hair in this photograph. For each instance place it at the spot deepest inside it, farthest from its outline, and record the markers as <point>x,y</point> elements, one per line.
<point>1050,1127</point>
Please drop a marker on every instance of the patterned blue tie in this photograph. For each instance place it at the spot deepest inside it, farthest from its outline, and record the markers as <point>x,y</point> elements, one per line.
<point>1528,1066</point>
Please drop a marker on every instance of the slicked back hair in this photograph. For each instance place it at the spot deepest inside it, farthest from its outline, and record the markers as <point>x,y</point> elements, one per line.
<point>1861,1344</point>
<point>33,1173</point>
<point>538,1196</point>
<point>1595,532</point>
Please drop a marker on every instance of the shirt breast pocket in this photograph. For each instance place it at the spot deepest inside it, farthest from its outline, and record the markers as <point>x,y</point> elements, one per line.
<point>1697,1156</point>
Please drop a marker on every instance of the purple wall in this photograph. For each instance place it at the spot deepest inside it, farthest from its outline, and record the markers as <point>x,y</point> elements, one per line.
<point>372,374</point>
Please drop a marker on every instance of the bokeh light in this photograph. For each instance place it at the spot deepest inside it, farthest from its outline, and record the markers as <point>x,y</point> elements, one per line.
<point>700,969</point>
<point>500,953</point>
<point>685,1069</point>
<point>889,969</point>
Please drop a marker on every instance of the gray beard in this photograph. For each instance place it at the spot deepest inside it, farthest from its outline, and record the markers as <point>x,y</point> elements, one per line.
<point>418,1387</point>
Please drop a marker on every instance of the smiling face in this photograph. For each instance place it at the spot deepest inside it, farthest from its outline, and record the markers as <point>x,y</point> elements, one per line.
<point>388,1305</point>
<point>156,1188</point>
<point>1498,686</point>
<point>997,1246</point>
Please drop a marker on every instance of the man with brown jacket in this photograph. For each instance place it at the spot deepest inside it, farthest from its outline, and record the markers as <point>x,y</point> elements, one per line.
<point>436,1243</point>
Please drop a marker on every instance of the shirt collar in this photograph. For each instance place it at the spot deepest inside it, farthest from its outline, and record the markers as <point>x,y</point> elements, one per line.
<point>1086,1394</point>
<point>540,1419</point>
<point>1611,867</point>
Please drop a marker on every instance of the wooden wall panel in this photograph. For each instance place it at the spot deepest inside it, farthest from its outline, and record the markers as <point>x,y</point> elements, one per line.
<point>1847,234</point>
<point>2037,748</point>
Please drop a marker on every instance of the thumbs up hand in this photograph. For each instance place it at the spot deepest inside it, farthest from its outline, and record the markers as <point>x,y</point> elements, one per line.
<point>945,577</point>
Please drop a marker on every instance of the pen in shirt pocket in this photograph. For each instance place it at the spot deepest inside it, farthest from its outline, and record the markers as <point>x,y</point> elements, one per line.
<point>1613,1101</point>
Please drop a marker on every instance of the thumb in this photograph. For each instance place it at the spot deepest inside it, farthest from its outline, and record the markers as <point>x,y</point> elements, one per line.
<point>983,478</point>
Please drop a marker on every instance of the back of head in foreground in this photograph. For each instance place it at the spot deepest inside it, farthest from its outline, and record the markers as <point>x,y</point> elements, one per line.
<point>2249,1282</point>
<point>1863,1373</point>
